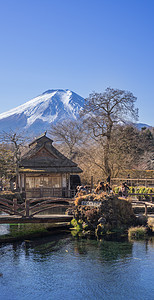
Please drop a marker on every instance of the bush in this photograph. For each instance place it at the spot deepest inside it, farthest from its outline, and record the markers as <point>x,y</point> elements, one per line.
<point>91,215</point>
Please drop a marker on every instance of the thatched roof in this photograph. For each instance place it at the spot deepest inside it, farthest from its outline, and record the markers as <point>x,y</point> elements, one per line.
<point>43,157</point>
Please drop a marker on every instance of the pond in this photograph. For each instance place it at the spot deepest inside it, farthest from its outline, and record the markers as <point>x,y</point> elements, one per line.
<point>62,267</point>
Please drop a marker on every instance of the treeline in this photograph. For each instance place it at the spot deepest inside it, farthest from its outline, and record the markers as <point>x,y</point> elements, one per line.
<point>104,141</point>
<point>130,149</point>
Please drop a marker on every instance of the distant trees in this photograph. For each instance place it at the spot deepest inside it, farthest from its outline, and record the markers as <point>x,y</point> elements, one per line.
<point>6,161</point>
<point>147,145</point>
<point>125,148</point>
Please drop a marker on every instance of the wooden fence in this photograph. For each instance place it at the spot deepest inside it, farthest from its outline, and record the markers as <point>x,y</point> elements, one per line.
<point>148,182</point>
<point>142,197</point>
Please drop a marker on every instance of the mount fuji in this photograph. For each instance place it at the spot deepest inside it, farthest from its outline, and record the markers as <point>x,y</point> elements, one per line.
<point>39,113</point>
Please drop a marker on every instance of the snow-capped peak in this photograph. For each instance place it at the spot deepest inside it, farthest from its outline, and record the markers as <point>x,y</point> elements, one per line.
<point>47,107</point>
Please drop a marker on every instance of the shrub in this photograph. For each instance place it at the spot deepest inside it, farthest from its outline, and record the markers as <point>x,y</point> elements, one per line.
<point>91,215</point>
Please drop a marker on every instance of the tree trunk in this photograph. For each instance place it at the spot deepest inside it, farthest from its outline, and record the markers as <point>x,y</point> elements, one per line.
<point>106,158</point>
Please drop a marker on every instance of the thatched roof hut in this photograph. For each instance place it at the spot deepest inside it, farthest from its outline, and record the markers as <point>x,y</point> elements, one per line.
<point>44,167</point>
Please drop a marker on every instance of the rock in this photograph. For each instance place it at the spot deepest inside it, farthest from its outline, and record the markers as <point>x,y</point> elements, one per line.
<point>113,213</point>
<point>142,220</point>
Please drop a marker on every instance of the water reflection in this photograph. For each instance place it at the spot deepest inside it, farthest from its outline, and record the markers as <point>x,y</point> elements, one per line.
<point>44,248</point>
<point>104,251</point>
<point>63,267</point>
<point>4,228</point>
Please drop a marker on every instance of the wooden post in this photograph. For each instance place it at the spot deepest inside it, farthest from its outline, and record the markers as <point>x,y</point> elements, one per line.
<point>15,204</point>
<point>92,184</point>
<point>146,210</point>
<point>27,208</point>
<point>151,198</point>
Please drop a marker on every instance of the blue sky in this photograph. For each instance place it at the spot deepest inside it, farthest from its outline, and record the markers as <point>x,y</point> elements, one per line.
<point>81,45</point>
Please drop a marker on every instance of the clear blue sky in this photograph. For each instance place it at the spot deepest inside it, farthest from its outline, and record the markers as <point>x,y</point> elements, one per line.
<point>82,45</point>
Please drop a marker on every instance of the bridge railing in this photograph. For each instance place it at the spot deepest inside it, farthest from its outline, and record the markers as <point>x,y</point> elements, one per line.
<point>11,207</point>
<point>32,207</point>
<point>49,192</point>
<point>36,206</point>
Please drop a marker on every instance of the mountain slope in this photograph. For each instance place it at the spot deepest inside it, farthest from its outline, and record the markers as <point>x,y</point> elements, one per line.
<point>142,125</point>
<point>37,114</point>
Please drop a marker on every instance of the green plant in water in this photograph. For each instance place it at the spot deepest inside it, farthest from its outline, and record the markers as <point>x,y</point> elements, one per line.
<point>74,233</point>
<point>77,225</point>
<point>21,231</point>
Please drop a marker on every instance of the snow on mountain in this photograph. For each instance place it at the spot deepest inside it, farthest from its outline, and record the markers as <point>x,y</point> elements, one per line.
<point>38,113</point>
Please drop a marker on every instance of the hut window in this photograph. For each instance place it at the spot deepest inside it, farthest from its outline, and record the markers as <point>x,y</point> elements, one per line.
<point>54,182</point>
<point>29,182</point>
<point>43,181</point>
<point>37,182</point>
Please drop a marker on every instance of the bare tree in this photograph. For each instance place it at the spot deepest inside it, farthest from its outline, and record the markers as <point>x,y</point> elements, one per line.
<point>102,111</point>
<point>69,133</point>
<point>15,142</point>
<point>6,163</point>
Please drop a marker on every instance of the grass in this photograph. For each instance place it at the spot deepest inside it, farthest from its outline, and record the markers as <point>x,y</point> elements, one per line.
<point>137,233</point>
<point>151,224</point>
<point>20,232</point>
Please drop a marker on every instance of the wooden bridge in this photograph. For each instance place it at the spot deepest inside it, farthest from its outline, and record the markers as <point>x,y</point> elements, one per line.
<point>29,211</point>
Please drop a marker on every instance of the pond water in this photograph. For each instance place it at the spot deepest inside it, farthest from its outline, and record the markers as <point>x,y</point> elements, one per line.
<point>62,267</point>
<point>4,229</point>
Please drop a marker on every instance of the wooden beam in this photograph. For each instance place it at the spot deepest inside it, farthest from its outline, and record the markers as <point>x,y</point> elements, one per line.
<point>37,219</point>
